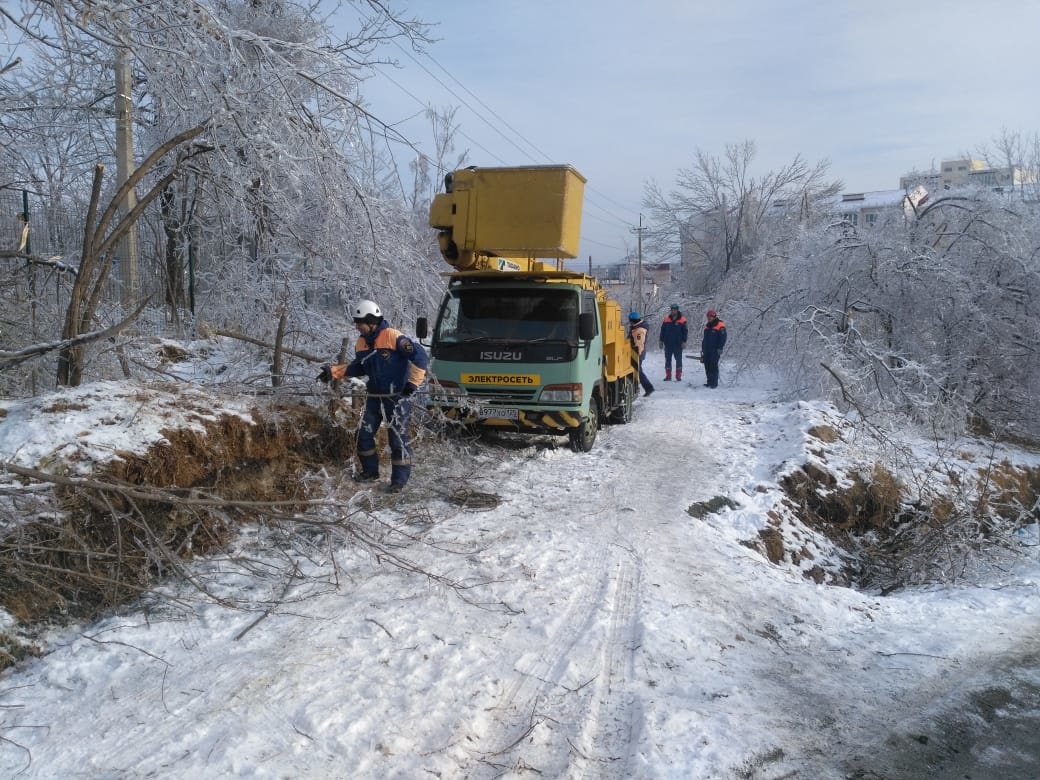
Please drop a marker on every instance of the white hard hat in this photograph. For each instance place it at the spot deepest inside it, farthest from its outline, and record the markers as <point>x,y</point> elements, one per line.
<point>366,309</point>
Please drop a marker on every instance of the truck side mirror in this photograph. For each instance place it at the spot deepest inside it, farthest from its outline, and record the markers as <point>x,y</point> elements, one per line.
<point>586,326</point>
<point>422,328</point>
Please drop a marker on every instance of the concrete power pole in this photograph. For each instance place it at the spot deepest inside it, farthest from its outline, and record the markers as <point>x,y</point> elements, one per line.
<point>128,250</point>
<point>639,268</point>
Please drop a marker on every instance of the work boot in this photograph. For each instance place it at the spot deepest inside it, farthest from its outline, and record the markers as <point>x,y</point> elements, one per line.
<point>678,375</point>
<point>365,476</point>
<point>668,375</point>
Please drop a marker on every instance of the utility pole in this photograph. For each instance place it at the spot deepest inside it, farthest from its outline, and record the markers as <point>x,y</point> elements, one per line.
<point>639,269</point>
<point>124,167</point>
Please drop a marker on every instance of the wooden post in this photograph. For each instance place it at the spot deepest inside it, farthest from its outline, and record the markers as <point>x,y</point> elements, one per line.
<point>128,249</point>
<point>276,366</point>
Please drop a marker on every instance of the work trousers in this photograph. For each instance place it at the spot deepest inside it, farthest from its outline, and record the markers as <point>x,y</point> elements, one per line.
<point>397,411</point>
<point>711,370</point>
<point>672,352</point>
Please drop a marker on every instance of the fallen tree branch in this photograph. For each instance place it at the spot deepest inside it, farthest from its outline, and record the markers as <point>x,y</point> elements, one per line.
<point>846,395</point>
<point>13,358</point>
<point>183,496</point>
<point>231,334</point>
<point>294,574</point>
<point>52,262</point>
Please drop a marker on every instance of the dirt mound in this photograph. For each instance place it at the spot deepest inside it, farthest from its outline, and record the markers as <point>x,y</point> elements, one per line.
<point>887,537</point>
<point>102,540</point>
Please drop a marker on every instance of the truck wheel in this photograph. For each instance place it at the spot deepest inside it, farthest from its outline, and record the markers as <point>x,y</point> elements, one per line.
<point>584,436</point>
<point>623,413</point>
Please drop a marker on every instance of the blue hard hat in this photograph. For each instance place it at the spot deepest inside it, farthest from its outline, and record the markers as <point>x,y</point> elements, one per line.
<point>633,316</point>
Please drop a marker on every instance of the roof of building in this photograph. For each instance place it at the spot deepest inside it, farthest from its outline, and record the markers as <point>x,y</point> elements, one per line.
<point>858,201</point>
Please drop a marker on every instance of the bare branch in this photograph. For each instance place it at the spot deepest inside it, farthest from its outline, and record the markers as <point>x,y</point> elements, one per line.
<point>9,359</point>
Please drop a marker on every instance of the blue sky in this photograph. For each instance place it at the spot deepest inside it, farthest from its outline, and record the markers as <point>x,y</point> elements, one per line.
<point>626,92</point>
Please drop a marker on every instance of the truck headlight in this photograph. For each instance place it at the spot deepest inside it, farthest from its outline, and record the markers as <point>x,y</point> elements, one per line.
<point>561,394</point>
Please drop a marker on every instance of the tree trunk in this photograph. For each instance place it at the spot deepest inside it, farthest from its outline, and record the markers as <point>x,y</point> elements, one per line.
<point>276,368</point>
<point>173,265</point>
<point>100,239</point>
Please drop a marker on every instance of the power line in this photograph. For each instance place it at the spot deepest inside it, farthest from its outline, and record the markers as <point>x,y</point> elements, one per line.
<point>605,246</point>
<point>497,128</point>
<point>425,107</point>
<point>478,114</point>
<point>605,210</point>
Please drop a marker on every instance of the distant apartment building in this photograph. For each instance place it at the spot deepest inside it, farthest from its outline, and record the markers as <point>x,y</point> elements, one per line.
<point>865,209</point>
<point>626,274</point>
<point>963,172</point>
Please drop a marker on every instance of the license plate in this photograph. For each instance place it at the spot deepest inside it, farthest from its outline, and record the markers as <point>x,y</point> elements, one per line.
<point>490,412</point>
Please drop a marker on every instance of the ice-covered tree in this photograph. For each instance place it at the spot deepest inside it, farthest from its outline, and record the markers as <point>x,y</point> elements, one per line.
<point>289,205</point>
<point>931,314</point>
<point>718,213</point>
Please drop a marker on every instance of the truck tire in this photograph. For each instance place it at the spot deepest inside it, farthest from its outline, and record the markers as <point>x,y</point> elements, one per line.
<point>584,436</point>
<point>623,413</point>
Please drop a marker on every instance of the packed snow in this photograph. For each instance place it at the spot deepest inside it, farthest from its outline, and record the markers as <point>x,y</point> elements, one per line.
<point>582,625</point>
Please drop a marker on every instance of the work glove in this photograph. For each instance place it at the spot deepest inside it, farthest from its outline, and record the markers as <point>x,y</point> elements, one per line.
<point>326,374</point>
<point>408,389</point>
<point>661,345</point>
<point>683,345</point>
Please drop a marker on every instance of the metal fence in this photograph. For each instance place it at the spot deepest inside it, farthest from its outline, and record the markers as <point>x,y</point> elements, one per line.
<point>53,236</point>
<point>27,225</point>
<point>52,232</point>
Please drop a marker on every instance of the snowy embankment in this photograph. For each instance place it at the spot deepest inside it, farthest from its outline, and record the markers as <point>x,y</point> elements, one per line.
<point>586,626</point>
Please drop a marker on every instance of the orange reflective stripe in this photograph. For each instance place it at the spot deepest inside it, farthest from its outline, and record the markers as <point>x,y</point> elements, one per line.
<point>416,375</point>
<point>385,339</point>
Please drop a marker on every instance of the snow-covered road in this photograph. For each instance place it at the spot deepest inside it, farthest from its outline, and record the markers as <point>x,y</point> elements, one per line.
<point>587,627</point>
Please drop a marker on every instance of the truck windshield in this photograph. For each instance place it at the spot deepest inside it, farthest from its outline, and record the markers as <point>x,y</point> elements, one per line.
<point>508,315</point>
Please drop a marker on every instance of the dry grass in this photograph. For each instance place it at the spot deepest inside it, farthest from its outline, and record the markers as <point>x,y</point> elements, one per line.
<point>825,433</point>
<point>1010,492</point>
<point>892,542</point>
<point>871,503</point>
<point>108,538</point>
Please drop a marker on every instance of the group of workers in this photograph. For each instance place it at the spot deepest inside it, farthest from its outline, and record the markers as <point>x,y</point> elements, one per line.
<point>674,334</point>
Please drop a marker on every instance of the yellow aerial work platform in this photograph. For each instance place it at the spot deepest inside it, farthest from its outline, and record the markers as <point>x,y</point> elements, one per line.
<point>517,212</point>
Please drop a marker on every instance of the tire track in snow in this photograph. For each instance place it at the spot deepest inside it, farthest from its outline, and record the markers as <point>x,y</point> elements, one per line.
<point>607,737</point>
<point>565,713</point>
<point>526,718</point>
